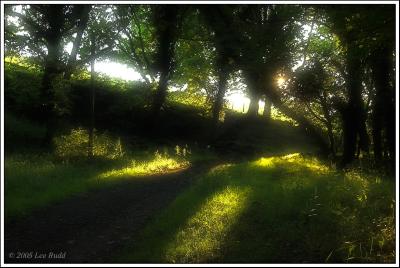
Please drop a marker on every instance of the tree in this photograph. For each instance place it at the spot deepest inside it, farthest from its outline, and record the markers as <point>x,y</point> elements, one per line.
<point>14,43</point>
<point>359,29</point>
<point>260,56</point>
<point>83,17</point>
<point>49,24</point>
<point>222,68</point>
<point>167,19</point>
<point>98,42</point>
<point>136,44</point>
<point>309,85</point>
<point>196,71</point>
<point>346,24</point>
<point>380,42</point>
<point>267,108</point>
<point>48,28</point>
<point>383,103</point>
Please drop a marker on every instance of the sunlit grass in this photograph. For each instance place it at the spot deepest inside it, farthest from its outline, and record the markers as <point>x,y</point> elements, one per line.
<point>197,101</point>
<point>265,162</point>
<point>288,208</point>
<point>201,238</point>
<point>35,180</point>
<point>294,209</point>
<point>296,159</point>
<point>158,165</point>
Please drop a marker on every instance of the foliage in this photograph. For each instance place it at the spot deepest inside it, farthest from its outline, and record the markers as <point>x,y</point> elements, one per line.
<point>35,26</point>
<point>282,206</point>
<point>137,45</point>
<point>196,70</point>
<point>75,145</point>
<point>21,87</point>
<point>103,29</point>
<point>309,81</point>
<point>120,105</point>
<point>17,61</point>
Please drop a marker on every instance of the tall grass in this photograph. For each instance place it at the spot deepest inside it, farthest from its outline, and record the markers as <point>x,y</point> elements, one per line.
<point>276,209</point>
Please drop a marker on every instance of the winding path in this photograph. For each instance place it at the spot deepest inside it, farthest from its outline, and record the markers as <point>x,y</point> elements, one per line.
<point>91,227</point>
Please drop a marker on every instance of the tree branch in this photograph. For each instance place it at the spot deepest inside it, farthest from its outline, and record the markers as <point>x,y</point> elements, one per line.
<point>29,23</point>
<point>315,114</point>
<point>135,60</point>
<point>137,23</point>
<point>100,53</point>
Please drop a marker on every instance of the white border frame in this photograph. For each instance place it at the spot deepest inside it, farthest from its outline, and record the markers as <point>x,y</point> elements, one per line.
<point>200,265</point>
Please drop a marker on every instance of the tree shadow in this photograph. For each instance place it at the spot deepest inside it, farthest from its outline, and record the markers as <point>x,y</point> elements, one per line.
<point>293,212</point>
<point>125,204</point>
<point>151,244</point>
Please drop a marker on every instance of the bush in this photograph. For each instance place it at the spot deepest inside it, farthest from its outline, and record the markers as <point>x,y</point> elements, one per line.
<point>75,145</point>
<point>21,90</point>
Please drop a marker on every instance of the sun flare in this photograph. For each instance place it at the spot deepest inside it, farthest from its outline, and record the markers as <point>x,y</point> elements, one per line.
<point>238,101</point>
<point>280,80</point>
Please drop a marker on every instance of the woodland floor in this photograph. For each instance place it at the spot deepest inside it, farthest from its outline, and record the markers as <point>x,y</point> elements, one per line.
<point>92,226</point>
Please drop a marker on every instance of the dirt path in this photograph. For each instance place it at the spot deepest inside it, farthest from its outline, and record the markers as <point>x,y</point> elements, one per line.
<point>90,227</point>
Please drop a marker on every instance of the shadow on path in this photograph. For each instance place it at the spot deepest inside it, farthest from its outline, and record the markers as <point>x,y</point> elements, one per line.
<point>89,227</point>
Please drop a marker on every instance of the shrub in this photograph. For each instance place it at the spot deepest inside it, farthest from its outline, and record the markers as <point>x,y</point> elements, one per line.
<point>75,145</point>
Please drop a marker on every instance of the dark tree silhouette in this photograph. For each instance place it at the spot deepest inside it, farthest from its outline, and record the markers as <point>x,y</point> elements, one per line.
<point>166,20</point>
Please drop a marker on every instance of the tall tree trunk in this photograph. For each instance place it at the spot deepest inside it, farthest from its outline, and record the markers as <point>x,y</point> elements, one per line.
<point>254,88</point>
<point>328,123</point>
<point>48,101</point>
<point>92,99</point>
<point>254,105</point>
<point>390,128</point>
<point>219,98</point>
<point>354,115</point>
<point>53,37</point>
<point>267,108</point>
<point>331,138</point>
<point>167,27</point>
<point>383,105</point>
<point>160,95</point>
<point>84,11</point>
<point>349,135</point>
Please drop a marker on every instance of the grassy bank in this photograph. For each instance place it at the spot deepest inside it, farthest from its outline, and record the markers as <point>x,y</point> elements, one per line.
<point>276,209</point>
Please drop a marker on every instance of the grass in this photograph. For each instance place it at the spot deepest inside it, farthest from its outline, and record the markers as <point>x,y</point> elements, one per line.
<point>34,180</point>
<point>275,209</point>
<point>222,210</point>
<point>159,165</point>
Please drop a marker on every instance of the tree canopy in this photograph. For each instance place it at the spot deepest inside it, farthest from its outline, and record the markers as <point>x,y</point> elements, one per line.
<point>335,62</point>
